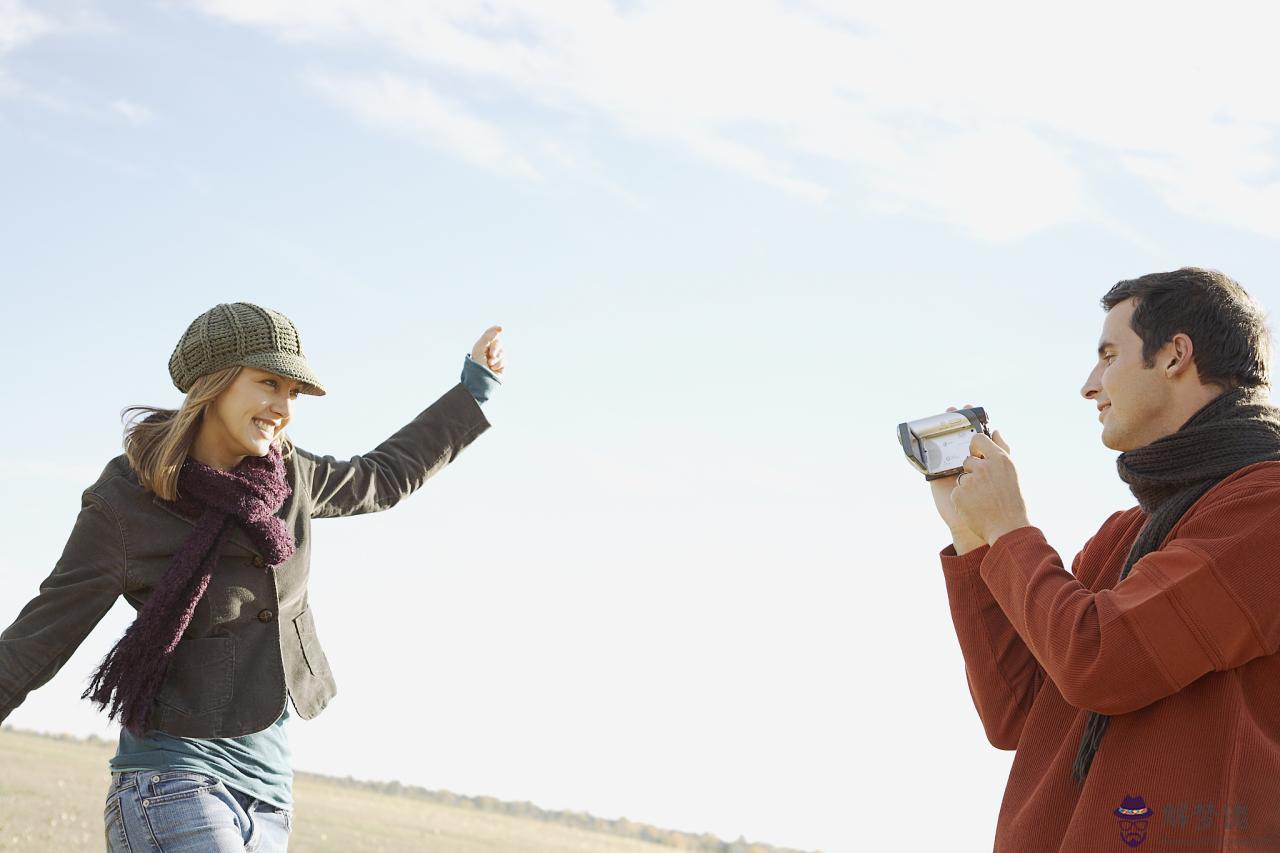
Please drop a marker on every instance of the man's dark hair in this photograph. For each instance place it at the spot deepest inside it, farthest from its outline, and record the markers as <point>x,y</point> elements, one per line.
<point>1226,325</point>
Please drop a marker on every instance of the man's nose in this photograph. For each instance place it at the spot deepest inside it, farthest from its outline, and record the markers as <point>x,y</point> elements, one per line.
<point>1090,388</point>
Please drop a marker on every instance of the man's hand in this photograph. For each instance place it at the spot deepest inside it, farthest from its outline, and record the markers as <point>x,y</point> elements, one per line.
<point>986,496</point>
<point>488,350</point>
<point>965,539</point>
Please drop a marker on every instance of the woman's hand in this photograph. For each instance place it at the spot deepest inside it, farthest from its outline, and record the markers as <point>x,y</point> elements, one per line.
<point>488,350</point>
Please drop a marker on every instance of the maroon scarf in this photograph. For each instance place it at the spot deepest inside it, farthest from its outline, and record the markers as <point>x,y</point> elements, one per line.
<point>250,495</point>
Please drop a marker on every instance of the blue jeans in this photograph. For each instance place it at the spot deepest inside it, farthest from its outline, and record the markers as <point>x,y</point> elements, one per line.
<point>167,811</point>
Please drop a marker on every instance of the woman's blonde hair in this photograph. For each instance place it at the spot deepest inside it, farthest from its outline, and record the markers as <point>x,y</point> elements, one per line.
<point>156,448</point>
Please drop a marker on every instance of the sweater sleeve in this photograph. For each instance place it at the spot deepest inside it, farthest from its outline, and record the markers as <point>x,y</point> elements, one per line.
<point>81,589</point>
<point>1209,600</point>
<point>1004,676</point>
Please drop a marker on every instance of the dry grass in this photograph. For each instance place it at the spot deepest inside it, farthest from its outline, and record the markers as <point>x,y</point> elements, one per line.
<point>52,793</point>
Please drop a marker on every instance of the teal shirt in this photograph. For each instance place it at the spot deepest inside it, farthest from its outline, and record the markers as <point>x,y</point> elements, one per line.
<point>257,764</point>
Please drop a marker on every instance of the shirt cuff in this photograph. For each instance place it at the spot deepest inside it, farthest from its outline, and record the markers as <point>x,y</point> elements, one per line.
<point>480,381</point>
<point>958,564</point>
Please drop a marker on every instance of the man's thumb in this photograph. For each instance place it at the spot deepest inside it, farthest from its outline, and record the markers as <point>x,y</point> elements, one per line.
<point>999,440</point>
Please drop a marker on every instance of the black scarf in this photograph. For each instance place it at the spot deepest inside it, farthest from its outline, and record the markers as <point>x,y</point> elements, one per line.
<point>1232,431</point>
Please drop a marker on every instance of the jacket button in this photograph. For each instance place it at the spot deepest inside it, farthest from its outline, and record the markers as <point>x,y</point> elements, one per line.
<point>265,615</point>
<point>258,562</point>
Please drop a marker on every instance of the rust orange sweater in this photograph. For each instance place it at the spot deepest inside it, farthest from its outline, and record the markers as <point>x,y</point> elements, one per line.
<point>1182,655</point>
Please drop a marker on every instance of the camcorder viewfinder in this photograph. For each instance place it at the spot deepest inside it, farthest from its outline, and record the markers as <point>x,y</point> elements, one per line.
<point>936,446</point>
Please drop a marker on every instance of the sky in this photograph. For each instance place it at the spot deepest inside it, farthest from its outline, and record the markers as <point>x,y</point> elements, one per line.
<point>688,576</point>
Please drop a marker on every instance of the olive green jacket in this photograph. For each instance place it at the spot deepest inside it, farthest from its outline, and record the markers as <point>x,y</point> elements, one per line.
<point>252,640</point>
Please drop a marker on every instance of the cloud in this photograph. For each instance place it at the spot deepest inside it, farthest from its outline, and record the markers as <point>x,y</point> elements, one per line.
<point>979,115</point>
<point>19,25</point>
<point>400,103</point>
<point>131,112</point>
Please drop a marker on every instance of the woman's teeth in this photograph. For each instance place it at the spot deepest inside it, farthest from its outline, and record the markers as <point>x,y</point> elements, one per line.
<point>264,428</point>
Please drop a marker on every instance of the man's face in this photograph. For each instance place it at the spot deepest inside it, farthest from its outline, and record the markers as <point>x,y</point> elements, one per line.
<point>1133,832</point>
<point>1136,398</point>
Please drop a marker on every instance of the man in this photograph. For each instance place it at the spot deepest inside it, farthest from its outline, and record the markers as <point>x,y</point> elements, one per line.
<point>1149,673</point>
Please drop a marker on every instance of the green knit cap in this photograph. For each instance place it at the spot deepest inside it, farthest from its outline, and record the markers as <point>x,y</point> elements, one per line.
<point>241,333</point>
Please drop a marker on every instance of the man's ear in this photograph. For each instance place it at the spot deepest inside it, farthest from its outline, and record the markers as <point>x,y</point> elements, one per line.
<point>1180,360</point>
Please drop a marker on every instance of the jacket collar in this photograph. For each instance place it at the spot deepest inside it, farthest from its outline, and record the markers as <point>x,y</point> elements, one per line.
<point>238,537</point>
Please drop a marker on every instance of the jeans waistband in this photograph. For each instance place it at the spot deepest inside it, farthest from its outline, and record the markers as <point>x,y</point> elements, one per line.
<point>127,779</point>
<point>124,779</point>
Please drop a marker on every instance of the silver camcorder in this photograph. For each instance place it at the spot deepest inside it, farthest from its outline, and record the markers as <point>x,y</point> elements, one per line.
<point>936,446</point>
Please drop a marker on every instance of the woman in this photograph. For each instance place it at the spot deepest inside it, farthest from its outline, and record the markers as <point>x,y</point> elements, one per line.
<point>203,525</point>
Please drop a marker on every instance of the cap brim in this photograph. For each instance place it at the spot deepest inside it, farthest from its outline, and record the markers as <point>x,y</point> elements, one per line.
<point>293,366</point>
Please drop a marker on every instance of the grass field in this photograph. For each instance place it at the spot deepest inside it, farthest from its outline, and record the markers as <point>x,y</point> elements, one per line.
<point>52,793</point>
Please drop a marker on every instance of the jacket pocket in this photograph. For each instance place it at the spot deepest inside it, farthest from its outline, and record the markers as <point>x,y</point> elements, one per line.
<point>311,651</point>
<point>201,676</point>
